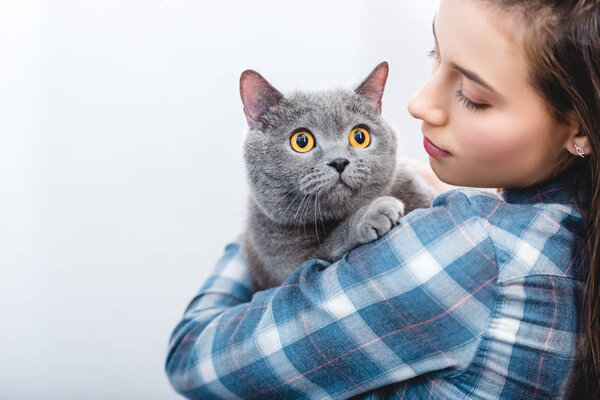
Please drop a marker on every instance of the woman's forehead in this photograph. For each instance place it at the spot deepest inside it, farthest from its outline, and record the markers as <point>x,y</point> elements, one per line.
<point>472,36</point>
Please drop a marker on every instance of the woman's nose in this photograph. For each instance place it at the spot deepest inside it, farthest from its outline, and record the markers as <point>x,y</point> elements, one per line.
<point>427,105</point>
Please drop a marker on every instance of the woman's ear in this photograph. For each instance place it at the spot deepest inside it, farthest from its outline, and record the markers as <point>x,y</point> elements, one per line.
<point>577,143</point>
<point>579,146</point>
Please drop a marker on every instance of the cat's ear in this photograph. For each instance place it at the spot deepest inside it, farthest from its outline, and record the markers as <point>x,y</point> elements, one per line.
<point>257,96</point>
<point>372,88</point>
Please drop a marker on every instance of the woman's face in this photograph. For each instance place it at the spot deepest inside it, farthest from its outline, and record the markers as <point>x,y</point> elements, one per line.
<point>483,123</point>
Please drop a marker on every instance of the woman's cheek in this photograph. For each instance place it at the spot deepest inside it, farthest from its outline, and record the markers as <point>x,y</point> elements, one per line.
<point>499,137</point>
<point>488,144</point>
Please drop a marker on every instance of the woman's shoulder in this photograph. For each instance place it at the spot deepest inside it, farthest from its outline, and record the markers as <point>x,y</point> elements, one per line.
<point>472,201</point>
<point>533,233</point>
<point>510,208</point>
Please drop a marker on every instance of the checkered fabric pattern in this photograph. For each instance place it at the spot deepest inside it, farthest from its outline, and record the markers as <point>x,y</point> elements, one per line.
<point>476,297</point>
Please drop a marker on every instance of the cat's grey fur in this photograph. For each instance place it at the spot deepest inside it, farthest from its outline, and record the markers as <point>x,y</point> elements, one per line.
<point>296,210</point>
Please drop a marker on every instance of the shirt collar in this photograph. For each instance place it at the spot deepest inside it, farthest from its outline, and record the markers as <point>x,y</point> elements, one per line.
<point>559,189</point>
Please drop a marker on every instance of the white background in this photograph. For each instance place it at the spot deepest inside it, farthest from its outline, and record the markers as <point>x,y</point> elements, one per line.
<point>121,175</point>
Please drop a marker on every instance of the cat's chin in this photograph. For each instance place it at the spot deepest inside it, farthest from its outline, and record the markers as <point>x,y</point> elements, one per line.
<point>338,195</point>
<point>340,185</point>
<point>339,190</point>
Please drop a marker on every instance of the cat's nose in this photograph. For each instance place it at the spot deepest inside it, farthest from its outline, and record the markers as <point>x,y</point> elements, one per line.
<point>339,164</point>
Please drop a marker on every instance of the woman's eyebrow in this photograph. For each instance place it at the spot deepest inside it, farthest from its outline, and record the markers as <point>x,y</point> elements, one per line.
<point>465,72</point>
<point>472,76</point>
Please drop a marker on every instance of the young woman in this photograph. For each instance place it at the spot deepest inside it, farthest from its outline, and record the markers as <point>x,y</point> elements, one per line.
<point>479,296</point>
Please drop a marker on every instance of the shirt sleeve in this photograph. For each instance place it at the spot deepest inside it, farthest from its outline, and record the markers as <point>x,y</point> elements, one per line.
<point>414,302</point>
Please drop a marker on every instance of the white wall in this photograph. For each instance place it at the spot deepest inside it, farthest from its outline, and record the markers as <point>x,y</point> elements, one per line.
<point>121,176</point>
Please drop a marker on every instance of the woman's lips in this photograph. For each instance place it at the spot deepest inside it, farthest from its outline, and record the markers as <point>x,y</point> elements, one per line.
<point>433,150</point>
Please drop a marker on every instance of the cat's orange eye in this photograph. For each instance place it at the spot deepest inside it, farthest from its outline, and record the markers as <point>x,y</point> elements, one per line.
<point>359,137</point>
<point>302,141</point>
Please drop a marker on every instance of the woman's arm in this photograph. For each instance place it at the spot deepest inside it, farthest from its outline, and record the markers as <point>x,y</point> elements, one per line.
<point>414,302</point>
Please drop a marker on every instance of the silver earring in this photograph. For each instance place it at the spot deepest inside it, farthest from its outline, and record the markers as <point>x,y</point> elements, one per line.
<point>580,151</point>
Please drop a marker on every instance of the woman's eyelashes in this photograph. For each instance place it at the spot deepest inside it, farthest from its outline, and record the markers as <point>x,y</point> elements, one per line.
<point>435,56</point>
<point>469,105</point>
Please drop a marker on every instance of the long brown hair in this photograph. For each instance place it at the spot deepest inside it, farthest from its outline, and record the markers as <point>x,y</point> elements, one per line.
<point>561,40</point>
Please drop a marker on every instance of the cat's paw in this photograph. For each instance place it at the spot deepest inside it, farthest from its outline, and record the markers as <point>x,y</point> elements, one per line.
<point>379,218</point>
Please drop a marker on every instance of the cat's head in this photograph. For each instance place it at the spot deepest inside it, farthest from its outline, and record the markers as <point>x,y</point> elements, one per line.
<point>316,156</point>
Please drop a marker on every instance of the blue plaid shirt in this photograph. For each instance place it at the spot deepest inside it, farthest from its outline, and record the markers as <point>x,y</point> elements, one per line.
<point>476,297</point>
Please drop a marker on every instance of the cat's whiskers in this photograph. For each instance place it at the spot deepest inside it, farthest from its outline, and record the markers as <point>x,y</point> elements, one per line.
<point>321,215</point>
<point>279,224</point>
<point>305,213</point>
<point>283,199</point>
<point>284,195</point>
<point>292,189</point>
<point>300,206</point>
<point>312,182</point>
<point>316,226</point>
<point>318,205</point>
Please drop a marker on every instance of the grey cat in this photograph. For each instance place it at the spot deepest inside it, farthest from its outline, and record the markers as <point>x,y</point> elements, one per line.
<point>322,173</point>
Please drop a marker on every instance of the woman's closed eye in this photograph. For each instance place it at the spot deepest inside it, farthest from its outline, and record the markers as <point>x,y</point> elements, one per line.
<point>470,105</point>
